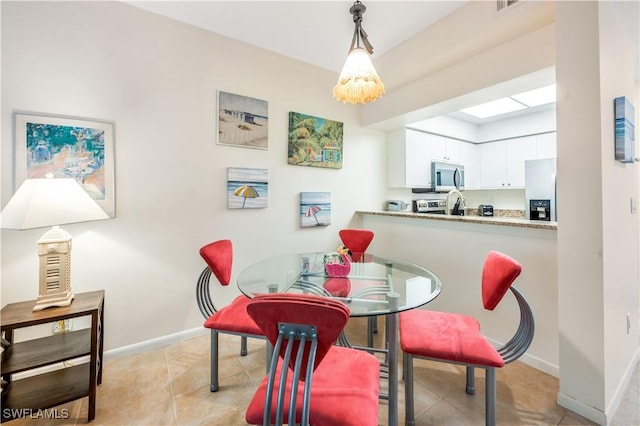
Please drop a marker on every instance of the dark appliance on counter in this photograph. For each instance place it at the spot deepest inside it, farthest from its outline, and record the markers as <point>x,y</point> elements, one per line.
<point>457,209</point>
<point>485,210</point>
<point>429,206</point>
<point>540,210</point>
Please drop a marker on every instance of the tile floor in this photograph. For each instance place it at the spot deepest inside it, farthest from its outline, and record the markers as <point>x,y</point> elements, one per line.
<point>170,386</point>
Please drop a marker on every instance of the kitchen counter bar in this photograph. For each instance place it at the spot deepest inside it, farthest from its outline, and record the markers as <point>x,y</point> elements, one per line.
<point>483,220</point>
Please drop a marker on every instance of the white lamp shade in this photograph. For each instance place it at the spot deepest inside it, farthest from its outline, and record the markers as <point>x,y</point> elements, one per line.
<point>46,202</point>
<point>358,82</point>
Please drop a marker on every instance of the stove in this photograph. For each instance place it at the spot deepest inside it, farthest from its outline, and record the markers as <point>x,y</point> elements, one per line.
<point>429,206</point>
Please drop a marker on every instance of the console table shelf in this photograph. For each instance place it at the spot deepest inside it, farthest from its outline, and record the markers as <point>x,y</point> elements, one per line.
<point>52,388</point>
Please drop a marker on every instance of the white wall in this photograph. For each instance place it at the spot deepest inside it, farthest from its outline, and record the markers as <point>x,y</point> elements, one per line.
<point>597,252</point>
<point>157,80</point>
<point>456,252</point>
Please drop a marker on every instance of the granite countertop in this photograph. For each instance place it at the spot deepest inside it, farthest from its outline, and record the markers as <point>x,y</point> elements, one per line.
<point>509,218</point>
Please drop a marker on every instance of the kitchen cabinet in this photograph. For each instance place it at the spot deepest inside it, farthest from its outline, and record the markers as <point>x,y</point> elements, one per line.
<point>441,148</point>
<point>408,163</point>
<point>46,389</point>
<point>410,153</point>
<point>502,162</point>
<point>470,158</point>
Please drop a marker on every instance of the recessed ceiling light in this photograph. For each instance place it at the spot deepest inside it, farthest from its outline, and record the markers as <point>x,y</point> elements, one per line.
<point>497,107</point>
<point>541,96</point>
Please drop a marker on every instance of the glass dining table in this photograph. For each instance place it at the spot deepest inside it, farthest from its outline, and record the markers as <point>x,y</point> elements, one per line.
<point>374,286</point>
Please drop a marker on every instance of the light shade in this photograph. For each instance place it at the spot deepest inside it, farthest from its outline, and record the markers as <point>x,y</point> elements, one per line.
<point>359,82</point>
<point>46,202</point>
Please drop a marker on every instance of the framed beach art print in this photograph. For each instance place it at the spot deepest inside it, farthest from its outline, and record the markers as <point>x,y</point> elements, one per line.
<point>315,209</point>
<point>314,141</point>
<point>242,121</point>
<point>67,147</point>
<point>247,188</point>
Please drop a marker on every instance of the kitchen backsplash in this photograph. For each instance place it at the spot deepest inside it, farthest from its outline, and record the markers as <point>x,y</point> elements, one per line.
<point>517,214</point>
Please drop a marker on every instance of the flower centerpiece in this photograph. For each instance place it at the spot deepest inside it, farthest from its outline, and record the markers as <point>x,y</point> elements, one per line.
<point>338,264</point>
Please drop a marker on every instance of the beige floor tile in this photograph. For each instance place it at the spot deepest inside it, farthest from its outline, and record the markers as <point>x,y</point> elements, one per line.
<point>170,386</point>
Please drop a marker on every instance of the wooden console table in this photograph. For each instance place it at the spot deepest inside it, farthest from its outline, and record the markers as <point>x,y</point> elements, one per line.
<point>30,395</point>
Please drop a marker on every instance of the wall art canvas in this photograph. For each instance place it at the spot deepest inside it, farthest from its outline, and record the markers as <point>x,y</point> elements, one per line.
<point>314,141</point>
<point>242,121</point>
<point>315,209</point>
<point>247,188</point>
<point>67,147</point>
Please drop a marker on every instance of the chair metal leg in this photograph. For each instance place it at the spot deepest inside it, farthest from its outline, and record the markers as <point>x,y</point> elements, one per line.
<point>372,327</point>
<point>490,402</point>
<point>243,345</point>
<point>269,353</point>
<point>407,371</point>
<point>471,381</point>
<point>214,361</point>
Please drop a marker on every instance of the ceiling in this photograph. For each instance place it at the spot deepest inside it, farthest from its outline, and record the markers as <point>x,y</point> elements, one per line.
<point>319,32</point>
<point>315,32</point>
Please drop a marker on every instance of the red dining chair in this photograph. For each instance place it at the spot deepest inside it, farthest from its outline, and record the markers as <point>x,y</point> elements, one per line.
<point>456,338</point>
<point>310,380</point>
<point>358,240</point>
<point>232,318</point>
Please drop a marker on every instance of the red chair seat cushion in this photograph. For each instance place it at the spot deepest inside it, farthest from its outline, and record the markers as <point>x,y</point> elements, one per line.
<point>446,336</point>
<point>344,391</point>
<point>234,318</point>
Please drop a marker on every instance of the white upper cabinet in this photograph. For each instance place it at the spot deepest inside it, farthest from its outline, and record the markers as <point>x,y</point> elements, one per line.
<point>410,153</point>
<point>502,162</point>
<point>470,158</point>
<point>444,149</point>
<point>489,165</point>
<point>407,160</point>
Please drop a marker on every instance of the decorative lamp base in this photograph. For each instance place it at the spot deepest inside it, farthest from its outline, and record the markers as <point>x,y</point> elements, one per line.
<point>61,299</point>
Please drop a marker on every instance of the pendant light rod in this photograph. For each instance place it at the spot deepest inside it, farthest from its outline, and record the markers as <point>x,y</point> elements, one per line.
<point>359,33</point>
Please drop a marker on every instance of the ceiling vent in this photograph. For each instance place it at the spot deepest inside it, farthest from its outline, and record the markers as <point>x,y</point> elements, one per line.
<point>504,4</point>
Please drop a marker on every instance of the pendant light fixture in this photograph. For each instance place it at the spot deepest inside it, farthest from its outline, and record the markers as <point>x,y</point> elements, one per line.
<point>359,82</point>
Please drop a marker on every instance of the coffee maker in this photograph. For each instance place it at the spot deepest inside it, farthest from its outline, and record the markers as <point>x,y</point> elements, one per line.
<point>540,210</point>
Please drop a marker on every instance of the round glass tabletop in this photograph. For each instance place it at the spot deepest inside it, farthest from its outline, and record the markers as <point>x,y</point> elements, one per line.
<point>373,285</point>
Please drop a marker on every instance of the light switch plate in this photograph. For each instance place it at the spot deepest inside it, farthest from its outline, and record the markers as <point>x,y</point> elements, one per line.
<point>634,205</point>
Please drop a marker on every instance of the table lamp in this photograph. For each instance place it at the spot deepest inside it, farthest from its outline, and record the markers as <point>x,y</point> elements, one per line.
<point>51,202</point>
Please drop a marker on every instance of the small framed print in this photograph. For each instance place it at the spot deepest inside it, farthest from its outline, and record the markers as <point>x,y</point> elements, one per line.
<point>247,188</point>
<point>242,121</point>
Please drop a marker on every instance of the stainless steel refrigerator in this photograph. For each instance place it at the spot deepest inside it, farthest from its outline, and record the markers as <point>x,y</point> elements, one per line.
<point>540,189</point>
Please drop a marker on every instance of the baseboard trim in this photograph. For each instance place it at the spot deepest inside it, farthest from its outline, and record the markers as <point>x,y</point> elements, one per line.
<point>535,362</point>
<point>149,345</point>
<point>598,416</point>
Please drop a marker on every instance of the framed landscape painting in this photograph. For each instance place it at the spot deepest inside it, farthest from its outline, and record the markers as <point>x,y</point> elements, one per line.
<point>67,147</point>
<point>315,209</point>
<point>247,188</point>
<point>314,141</point>
<point>242,121</point>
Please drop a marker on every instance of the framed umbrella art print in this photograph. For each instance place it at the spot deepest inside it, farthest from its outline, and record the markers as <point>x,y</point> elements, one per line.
<point>315,209</point>
<point>247,188</point>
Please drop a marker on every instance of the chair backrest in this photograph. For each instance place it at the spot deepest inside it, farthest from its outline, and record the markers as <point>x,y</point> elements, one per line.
<point>219,258</point>
<point>302,329</point>
<point>498,273</point>
<point>356,240</point>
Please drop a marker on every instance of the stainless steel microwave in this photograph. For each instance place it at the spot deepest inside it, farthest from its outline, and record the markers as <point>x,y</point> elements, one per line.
<point>446,176</point>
